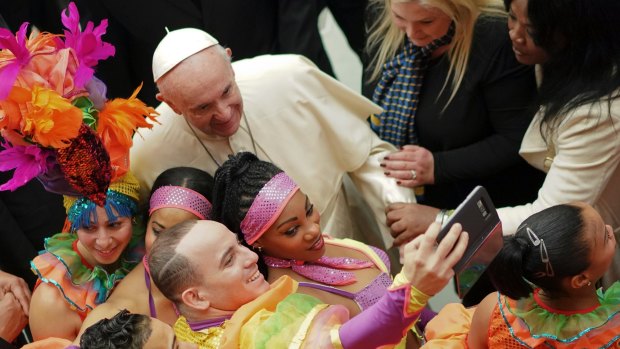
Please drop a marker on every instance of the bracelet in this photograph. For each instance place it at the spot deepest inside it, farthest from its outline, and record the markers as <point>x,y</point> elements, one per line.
<point>441,216</point>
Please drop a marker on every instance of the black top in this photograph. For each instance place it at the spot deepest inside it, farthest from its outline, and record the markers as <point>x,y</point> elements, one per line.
<point>249,28</point>
<point>476,140</point>
<point>28,215</point>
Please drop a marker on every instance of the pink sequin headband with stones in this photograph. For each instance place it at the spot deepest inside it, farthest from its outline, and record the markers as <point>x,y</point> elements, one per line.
<point>267,206</point>
<point>182,198</point>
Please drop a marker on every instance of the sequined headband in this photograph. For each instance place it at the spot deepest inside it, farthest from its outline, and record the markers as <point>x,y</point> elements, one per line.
<point>120,201</point>
<point>180,197</point>
<point>83,211</point>
<point>267,206</point>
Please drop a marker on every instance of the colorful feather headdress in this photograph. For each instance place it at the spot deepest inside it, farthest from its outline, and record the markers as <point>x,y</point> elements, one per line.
<point>55,119</point>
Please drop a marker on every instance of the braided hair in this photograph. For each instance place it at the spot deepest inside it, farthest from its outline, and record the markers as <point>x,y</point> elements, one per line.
<point>237,183</point>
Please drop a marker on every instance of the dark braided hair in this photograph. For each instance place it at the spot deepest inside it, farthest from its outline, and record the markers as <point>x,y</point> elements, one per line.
<point>123,331</point>
<point>237,183</point>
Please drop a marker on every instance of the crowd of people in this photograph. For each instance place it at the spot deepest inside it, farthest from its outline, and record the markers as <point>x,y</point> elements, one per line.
<point>257,205</point>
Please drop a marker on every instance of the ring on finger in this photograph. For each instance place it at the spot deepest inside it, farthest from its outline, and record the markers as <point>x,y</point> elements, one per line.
<point>414,174</point>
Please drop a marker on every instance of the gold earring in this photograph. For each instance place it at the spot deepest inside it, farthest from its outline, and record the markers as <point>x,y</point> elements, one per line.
<point>258,248</point>
<point>589,283</point>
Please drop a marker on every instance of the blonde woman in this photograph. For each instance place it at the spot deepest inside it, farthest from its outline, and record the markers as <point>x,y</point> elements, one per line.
<point>455,100</point>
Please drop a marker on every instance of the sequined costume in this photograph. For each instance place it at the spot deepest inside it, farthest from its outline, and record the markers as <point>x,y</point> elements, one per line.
<point>84,286</point>
<point>528,323</point>
<point>372,292</point>
<point>281,318</point>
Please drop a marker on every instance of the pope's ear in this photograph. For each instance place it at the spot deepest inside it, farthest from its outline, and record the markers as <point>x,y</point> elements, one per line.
<point>193,299</point>
<point>160,97</point>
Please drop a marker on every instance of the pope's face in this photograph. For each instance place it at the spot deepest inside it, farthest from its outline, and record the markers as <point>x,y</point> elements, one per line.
<point>203,89</point>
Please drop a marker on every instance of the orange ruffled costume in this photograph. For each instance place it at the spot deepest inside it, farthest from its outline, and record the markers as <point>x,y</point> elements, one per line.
<point>528,323</point>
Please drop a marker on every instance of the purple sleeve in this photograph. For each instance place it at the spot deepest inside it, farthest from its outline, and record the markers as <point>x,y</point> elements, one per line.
<point>386,322</point>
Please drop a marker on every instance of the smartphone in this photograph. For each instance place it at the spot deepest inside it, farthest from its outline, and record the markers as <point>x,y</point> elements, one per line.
<point>480,220</point>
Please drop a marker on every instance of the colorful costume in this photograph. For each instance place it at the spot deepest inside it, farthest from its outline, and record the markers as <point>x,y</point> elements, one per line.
<point>84,286</point>
<point>529,323</point>
<point>58,126</point>
<point>370,294</point>
<point>282,319</point>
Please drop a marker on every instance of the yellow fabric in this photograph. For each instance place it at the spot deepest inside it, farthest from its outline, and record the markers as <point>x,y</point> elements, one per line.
<point>127,185</point>
<point>417,298</point>
<point>335,338</point>
<point>209,338</point>
<point>362,247</point>
<point>280,289</point>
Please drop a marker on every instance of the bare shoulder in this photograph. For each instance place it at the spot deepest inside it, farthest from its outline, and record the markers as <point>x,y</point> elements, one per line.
<point>104,311</point>
<point>478,334</point>
<point>47,304</point>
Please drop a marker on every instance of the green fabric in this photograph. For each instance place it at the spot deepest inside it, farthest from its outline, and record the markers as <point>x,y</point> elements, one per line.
<point>98,279</point>
<point>89,113</point>
<point>563,327</point>
<point>287,318</point>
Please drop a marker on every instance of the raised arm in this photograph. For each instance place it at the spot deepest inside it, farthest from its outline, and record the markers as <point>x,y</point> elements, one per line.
<point>427,269</point>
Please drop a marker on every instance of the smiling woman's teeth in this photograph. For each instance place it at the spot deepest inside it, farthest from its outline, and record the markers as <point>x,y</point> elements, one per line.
<point>254,277</point>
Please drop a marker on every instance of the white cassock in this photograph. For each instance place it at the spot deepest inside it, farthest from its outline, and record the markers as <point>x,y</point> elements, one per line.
<point>305,122</point>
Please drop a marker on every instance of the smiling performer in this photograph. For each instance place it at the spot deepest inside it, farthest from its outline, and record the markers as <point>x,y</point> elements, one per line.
<point>226,302</point>
<point>57,125</point>
<point>268,211</point>
<point>78,270</point>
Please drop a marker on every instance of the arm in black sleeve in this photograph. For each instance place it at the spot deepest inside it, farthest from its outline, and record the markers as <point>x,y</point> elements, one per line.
<point>298,31</point>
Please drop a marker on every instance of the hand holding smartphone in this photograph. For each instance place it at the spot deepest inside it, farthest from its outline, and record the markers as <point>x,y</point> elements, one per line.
<point>480,220</point>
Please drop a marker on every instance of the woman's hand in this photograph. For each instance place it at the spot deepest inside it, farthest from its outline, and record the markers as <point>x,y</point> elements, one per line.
<point>407,221</point>
<point>412,166</point>
<point>429,266</point>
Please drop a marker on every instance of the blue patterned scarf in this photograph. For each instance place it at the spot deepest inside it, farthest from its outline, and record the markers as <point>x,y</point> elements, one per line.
<point>398,89</point>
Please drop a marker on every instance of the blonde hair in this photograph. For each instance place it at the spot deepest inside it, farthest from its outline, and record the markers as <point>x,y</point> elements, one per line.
<point>386,39</point>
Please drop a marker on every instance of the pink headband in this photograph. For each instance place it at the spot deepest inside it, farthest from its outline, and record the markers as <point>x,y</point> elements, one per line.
<point>180,197</point>
<point>267,206</point>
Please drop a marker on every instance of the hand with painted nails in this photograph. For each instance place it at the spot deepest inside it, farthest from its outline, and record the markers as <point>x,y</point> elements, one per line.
<point>412,166</point>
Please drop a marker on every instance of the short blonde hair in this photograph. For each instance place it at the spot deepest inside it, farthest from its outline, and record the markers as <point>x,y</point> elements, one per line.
<point>386,39</point>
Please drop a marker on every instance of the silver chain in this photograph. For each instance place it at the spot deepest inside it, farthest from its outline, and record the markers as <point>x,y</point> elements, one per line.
<point>245,119</point>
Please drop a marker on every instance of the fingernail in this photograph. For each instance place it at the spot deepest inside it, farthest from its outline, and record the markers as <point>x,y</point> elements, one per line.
<point>397,182</point>
<point>382,164</point>
<point>386,158</point>
<point>387,173</point>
